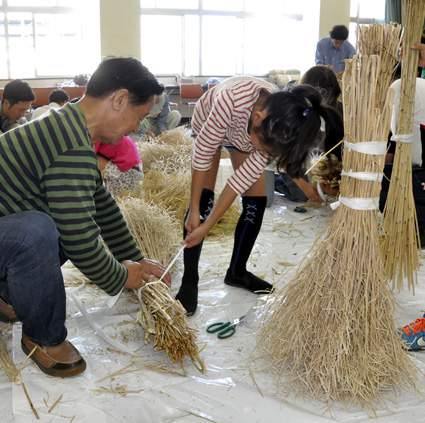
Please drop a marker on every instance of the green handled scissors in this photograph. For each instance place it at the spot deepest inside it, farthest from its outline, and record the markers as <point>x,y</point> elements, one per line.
<point>226,329</point>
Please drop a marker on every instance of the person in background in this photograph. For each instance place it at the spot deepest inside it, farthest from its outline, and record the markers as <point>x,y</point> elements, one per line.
<point>160,119</point>
<point>120,164</point>
<point>255,123</point>
<point>17,99</point>
<point>57,99</point>
<point>299,189</point>
<point>55,207</point>
<point>333,50</point>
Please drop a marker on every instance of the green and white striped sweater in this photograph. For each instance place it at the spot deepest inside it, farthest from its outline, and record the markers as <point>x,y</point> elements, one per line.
<point>49,165</point>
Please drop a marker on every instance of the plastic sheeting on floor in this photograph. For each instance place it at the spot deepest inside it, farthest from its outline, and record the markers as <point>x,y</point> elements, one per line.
<point>153,389</point>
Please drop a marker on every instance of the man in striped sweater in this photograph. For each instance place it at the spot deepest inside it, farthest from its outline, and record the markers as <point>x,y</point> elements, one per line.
<point>54,207</point>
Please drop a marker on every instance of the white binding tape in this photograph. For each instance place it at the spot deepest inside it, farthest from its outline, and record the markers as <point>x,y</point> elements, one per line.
<point>407,138</point>
<point>364,176</point>
<point>375,148</point>
<point>357,203</point>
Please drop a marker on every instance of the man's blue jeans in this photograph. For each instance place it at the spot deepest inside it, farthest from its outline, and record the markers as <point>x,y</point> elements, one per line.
<point>30,275</point>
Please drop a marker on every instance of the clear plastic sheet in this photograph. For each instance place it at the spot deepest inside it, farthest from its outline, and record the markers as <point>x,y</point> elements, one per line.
<point>231,390</point>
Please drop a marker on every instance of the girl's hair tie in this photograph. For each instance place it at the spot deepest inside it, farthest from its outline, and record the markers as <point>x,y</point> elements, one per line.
<point>306,112</point>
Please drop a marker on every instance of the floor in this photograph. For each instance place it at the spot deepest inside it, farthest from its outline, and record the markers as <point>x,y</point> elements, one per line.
<point>153,389</point>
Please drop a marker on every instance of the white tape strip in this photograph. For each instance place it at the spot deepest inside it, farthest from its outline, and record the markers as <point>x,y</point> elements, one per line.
<point>320,192</point>
<point>407,138</point>
<point>357,203</point>
<point>375,148</point>
<point>364,176</point>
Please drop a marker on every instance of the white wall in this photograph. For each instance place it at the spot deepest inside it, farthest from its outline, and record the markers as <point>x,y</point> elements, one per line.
<point>333,12</point>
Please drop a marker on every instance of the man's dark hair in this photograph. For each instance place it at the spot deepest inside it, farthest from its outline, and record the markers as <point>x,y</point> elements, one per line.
<point>16,91</point>
<point>58,96</point>
<point>116,73</point>
<point>160,90</point>
<point>339,32</point>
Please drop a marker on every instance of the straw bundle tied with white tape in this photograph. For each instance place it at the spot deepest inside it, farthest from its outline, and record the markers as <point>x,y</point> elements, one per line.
<point>383,41</point>
<point>330,333</point>
<point>400,245</point>
<point>164,319</point>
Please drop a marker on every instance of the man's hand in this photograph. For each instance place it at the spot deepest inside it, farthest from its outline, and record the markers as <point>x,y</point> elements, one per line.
<point>142,272</point>
<point>150,134</point>
<point>155,270</point>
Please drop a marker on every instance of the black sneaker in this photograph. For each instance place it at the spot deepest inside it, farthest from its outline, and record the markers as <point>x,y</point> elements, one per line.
<point>248,281</point>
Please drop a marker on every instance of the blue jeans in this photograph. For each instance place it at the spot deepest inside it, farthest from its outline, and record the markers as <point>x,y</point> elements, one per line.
<point>30,275</point>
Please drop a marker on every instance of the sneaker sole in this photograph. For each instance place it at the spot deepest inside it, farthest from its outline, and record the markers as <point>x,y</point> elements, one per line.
<point>70,370</point>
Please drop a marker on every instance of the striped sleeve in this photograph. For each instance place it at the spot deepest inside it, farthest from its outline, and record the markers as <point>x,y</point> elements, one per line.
<point>210,123</point>
<point>248,173</point>
<point>70,183</point>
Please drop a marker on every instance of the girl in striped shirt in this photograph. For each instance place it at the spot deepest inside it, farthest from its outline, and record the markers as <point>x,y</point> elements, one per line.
<point>255,123</point>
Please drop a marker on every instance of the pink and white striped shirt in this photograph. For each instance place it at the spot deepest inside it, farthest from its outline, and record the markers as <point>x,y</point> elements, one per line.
<point>221,117</point>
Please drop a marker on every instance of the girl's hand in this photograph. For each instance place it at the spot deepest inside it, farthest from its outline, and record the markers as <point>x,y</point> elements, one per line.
<point>312,194</point>
<point>196,236</point>
<point>192,222</point>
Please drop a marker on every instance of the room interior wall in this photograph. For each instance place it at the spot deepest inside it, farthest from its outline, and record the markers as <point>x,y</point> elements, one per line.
<point>120,28</point>
<point>333,12</point>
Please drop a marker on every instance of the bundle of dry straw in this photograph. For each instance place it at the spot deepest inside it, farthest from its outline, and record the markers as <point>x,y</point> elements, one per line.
<point>156,232</point>
<point>383,41</point>
<point>400,245</point>
<point>330,333</point>
<point>164,319</point>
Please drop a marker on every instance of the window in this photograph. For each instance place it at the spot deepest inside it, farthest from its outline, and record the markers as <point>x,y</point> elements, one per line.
<point>364,12</point>
<point>224,38</point>
<point>48,38</point>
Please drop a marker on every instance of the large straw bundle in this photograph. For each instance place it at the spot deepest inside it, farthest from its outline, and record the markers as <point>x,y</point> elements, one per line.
<point>330,333</point>
<point>156,232</point>
<point>170,191</point>
<point>384,41</point>
<point>400,246</point>
<point>169,153</point>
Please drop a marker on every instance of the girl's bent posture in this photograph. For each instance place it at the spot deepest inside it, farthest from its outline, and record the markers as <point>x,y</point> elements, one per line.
<point>255,123</point>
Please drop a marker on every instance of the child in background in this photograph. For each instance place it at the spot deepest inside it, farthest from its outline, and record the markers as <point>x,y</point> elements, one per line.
<point>299,189</point>
<point>120,164</point>
<point>255,123</point>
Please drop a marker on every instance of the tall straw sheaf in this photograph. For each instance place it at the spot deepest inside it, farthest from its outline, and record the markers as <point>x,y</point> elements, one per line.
<point>329,334</point>
<point>400,245</point>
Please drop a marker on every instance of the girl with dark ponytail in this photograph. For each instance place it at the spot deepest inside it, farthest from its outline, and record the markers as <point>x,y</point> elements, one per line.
<point>256,124</point>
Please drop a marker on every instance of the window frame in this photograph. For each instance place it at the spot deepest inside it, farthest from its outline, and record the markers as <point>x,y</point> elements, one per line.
<point>200,12</point>
<point>6,10</point>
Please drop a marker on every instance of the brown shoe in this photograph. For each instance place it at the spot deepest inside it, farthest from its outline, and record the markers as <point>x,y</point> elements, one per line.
<point>61,360</point>
<point>7,314</point>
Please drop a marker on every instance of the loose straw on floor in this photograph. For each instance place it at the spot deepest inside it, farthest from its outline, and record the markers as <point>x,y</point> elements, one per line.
<point>330,334</point>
